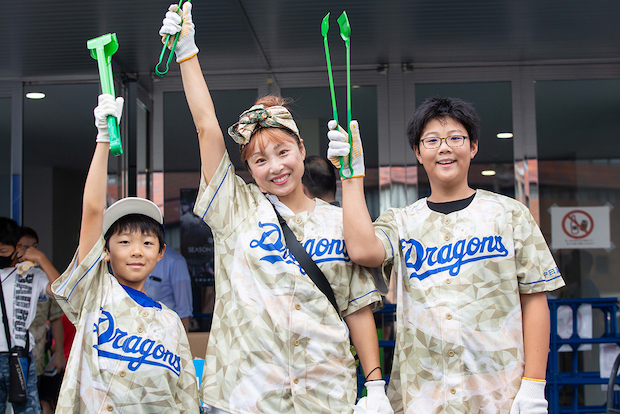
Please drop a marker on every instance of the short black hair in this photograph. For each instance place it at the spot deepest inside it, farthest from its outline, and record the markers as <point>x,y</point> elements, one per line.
<point>441,108</point>
<point>136,223</point>
<point>9,232</point>
<point>27,231</point>
<point>319,176</point>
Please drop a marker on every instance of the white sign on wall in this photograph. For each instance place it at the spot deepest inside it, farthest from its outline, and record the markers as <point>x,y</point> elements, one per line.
<point>580,227</point>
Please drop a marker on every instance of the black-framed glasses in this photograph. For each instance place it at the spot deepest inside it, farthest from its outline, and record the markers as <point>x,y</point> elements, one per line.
<point>451,141</point>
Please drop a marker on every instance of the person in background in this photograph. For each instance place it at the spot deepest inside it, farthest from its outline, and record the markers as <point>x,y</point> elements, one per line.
<point>170,284</point>
<point>319,179</point>
<point>22,284</point>
<point>50,376</point>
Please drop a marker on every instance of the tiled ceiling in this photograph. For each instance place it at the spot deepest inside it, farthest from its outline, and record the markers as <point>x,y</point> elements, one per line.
<point>47,38</point>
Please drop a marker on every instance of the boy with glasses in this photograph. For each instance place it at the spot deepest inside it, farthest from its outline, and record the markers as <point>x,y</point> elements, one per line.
<point>472,271</point>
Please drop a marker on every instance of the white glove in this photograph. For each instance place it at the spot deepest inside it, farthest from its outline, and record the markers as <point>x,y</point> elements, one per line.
<point>375,402</point>
<point>531,398</point>
<point>186,46</point>
<point>339,147</point>
<point>107,106</point>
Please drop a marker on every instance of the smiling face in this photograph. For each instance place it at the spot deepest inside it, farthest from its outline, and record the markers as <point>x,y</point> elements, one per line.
<point>276,161</point>
<point>133,256</point>
<point>446,166</point>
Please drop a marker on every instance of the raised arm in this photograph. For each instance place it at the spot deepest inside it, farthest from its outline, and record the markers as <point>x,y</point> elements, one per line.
<point>35,255</point>
<point>210,138</point>
<point>94,201</point>
<point>363,246</point>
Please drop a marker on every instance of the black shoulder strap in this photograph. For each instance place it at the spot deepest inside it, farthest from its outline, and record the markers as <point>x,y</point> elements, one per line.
<point>304,259</point>
<point>5,318</point>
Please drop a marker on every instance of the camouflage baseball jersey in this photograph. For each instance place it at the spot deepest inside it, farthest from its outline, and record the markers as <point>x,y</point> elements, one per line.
<point>47,309</point>
<point>459,340</point>
<point>277,345</point>
<point>129,355</point>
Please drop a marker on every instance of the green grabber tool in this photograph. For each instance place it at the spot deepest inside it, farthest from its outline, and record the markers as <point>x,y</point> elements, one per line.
<point>345,171</point>
<point>102,48</point>
<point>163,49</point>
<point>345,33</point>
<point>324,30</point>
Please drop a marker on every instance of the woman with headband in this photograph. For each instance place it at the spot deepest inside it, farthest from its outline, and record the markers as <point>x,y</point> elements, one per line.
<point>277,344</point>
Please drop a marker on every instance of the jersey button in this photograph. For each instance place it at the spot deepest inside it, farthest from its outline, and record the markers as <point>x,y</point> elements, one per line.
<point>296,342</point>
<point>451,353</point>
<point>447,221</point>
<point>145,313</point>
<point>448,316</point>
<point>122,373</point>
<point>448,281</point>
<point>452,390</point>
<point>295,380</point>
<point>300,238</point>
<point>110,408</point>
<point>298,220</point>
<point>140,329</point>
<point>298,306</point>
<point>446,237</point>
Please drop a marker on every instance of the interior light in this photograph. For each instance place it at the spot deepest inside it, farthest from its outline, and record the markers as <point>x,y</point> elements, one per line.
<point>35,95</point>
<point>504,135</point>
<point>488,173</point>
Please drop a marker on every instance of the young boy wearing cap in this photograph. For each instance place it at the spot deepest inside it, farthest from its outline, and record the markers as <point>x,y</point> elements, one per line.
<point>130,354</point>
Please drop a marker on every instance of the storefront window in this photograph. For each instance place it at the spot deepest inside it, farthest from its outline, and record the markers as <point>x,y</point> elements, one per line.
<point>579,166</point>
<point>579,189</point>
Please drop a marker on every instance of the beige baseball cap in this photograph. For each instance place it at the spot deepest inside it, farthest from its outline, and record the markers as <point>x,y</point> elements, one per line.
<point>131,205</point>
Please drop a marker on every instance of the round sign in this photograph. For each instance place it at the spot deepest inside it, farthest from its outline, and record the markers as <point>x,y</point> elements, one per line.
<point>577,224</point>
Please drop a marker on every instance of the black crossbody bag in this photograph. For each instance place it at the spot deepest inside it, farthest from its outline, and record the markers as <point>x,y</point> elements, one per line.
<point>18,360</point>
<point>304,259</point>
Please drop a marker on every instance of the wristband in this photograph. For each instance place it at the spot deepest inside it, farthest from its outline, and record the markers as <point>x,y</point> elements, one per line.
<point>373,370</point>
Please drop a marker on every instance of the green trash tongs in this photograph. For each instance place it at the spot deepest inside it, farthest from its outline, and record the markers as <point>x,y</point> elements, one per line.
<point>345,33</point>
<point>102,48</point>
<point>160,73</point>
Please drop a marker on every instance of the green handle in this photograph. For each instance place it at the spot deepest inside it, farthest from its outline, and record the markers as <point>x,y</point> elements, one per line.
<point>349,116</point>
<point>159,73</point>
<point>345,33</point>
<point>102,48</point>
<point>324,29</point>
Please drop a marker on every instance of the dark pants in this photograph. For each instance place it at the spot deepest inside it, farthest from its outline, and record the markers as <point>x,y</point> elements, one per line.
<point>32,405</point>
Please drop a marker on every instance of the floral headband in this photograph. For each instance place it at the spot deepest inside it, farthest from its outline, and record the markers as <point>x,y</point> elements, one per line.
<point>258,117</point>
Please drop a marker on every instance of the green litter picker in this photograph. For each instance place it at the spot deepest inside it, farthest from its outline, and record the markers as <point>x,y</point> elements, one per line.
<point>162,73</point>
<point>345,33</point>
<point>101,49</point>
